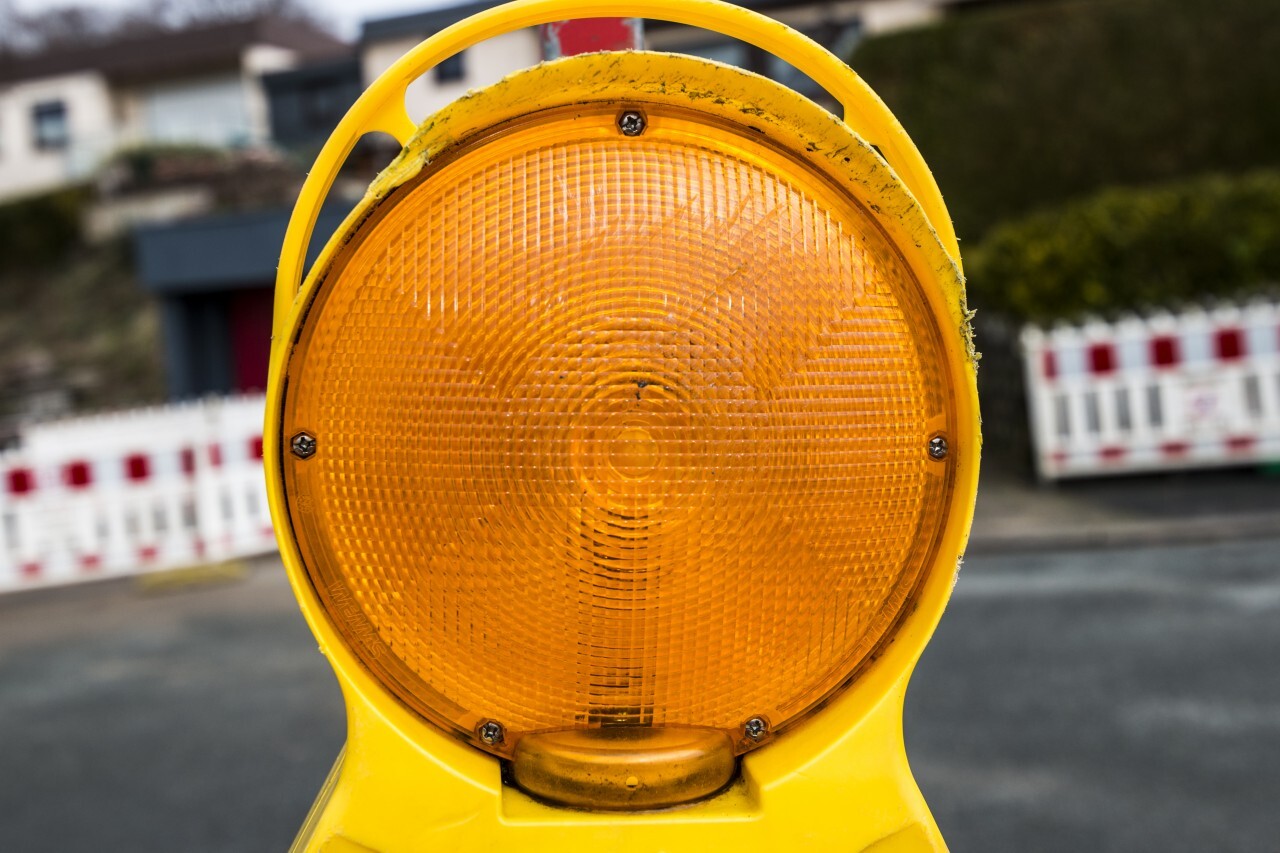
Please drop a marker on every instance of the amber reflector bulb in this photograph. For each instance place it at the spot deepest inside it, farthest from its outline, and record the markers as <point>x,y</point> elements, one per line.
<point>617,430</point>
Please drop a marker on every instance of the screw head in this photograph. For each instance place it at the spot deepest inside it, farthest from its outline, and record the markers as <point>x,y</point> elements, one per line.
<point>755,728</point>
<point>631,123</point>
<point>491,733</point>
<point>938,447</point>
<point>303,445</point>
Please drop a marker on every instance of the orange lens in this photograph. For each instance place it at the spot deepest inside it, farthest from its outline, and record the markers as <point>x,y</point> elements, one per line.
<point>617,430</point>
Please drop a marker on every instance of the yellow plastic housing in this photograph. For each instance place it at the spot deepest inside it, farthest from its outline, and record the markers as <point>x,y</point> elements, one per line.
<point>838,777</point>
<point>617,430</point>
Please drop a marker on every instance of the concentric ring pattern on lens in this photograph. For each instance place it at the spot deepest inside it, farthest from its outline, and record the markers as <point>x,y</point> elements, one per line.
<point>617,430</point>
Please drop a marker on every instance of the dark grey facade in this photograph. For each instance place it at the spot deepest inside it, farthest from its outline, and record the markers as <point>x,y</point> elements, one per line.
<point>214,278</point>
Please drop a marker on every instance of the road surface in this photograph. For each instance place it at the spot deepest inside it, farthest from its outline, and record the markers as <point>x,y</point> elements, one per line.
<point>1102,701</point>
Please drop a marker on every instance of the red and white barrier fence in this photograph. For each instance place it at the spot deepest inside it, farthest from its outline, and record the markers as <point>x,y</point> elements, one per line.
<point>1197,389</point>
<point>132,492</point>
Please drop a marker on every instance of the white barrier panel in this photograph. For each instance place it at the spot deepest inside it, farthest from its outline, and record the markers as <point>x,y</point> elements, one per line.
<point>1193,390</point>
<point>134,491</point>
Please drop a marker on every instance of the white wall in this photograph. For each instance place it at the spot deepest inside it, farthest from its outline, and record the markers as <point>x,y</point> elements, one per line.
<point>486,63</point>
<point>25,169</point>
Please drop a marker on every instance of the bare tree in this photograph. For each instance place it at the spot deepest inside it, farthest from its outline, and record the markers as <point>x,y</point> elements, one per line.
<point>82,24</point>
<point>180,13</point>
<point>66,26</point>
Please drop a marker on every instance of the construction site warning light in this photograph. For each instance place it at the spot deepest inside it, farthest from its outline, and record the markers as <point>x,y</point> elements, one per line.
<point>621,447</point>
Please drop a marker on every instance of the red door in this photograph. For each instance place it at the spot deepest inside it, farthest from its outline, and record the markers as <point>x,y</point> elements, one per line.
<point>251,338</point>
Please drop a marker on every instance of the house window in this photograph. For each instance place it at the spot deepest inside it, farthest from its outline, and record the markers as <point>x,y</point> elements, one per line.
<point>49,121</point>
<point>453,68</point>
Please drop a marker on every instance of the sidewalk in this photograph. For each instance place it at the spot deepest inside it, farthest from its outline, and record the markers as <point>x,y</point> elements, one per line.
<point>1156,509</point>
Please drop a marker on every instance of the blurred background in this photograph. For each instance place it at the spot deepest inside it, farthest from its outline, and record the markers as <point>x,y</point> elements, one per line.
<point>1106,675</point>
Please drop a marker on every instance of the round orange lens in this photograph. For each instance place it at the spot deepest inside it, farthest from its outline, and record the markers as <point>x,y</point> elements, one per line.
<point>617,430</point>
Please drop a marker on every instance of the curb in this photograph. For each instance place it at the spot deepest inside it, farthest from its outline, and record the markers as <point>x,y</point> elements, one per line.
<point>188,576</point>
<point>1197,530</point>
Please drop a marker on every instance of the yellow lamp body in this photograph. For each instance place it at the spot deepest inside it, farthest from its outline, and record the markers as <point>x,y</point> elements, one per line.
<point>839,777</point>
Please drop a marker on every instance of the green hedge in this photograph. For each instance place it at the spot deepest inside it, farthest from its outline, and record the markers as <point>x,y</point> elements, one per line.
<point>1022,107</point>
<point>1127,249</point>
<point>37,231</point>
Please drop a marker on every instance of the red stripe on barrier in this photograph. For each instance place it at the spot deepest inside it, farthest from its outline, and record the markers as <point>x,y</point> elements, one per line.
<point>255,447</point>
<point>1050,365</point>
<point>137,468</point>
<point>90,562</point>
<point>215,455</point>
<point>198,546</point>
<point>30,570</point>
<point>1113,454</point>
<point>77,475</point>
<point>1102,358</point>
<point>1165,351</point>
<point>188,461</point>
<point>1059,457</point>
<point>1229,344</point>
<point>21,481</point>
<point>269,531</point>
<point>1175,448</point>
<point>147,553</point>
<point>1241,443</point>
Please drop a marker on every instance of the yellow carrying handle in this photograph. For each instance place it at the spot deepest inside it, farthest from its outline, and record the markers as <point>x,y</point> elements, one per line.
<point>381,107</point>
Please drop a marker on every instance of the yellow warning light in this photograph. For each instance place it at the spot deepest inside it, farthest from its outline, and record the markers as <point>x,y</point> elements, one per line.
<point>626,430</point>
<point>617,430</point>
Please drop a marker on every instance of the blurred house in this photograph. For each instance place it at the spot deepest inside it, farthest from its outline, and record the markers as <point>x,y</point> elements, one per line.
<point>66,110</point>
<point>213,275</point>
<point>308,101</point>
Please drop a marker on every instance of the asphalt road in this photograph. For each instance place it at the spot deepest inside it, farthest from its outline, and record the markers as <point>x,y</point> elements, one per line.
<point>1121,700</point>
<point>1100,701</point>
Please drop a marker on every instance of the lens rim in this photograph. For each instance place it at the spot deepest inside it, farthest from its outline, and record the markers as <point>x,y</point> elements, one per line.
<point>796,127</point>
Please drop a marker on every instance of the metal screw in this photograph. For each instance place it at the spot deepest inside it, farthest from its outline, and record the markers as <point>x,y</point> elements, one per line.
<point>303,445</point>
<point>491,733</point>
<point>631,123</point>
<point>938,447</point>
<point>755,728</point>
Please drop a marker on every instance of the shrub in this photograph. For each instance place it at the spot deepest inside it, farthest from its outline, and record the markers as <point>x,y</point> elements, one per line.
<point>38,231</point>
<point>1133,248</point>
